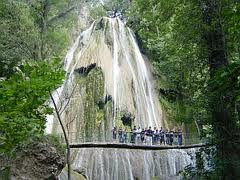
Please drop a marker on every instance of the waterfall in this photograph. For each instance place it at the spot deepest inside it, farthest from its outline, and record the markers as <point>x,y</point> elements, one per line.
<point>114,164</point>
<point>107,77</point>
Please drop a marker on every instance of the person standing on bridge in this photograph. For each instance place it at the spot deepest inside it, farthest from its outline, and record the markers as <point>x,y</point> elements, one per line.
<point>171,136</point>
<point>125,136</point>
<point>120,135</point>
<point>149,135</point>
<point>179,137</point>
<point>157,137</point>
<point>167,137</point>
<point>134,134</point>
<point>138,135</point>
<point>162,137</point>
<point>175,139</point>
<point>142,135</point>
<point>154,137</point>
<point>114,131</point>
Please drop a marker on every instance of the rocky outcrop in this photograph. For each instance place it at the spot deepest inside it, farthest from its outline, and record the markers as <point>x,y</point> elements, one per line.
<point>38,161</point>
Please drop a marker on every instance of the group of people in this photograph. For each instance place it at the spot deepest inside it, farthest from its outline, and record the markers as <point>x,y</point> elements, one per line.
<point>148,136</point>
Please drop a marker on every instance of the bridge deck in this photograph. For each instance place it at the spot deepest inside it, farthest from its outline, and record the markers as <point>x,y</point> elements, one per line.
<point>134,146</point>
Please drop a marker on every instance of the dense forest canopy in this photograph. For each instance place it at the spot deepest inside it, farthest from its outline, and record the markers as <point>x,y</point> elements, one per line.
<point>194,47</point>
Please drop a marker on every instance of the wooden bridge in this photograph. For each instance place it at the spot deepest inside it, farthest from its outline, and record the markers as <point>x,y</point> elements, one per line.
<point>135,146</point>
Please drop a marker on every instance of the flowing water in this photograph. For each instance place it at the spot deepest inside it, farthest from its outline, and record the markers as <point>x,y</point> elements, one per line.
<point>107,78</point>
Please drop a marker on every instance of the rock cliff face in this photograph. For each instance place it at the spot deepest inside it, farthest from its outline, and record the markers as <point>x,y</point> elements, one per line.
<point>38,161</point>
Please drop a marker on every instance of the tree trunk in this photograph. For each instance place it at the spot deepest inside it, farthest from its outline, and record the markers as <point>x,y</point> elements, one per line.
<point>223,121</point>
<point>65,137</point>
<point>43,27</point>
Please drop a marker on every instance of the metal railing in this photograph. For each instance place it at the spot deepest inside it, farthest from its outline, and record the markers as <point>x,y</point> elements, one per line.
<point>132,138</point>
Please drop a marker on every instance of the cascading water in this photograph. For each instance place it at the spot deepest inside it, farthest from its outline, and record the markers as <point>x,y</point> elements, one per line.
<point>109,164</point>
<point>107,77</point>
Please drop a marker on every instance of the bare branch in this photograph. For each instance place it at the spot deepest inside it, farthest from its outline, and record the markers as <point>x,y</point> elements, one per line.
<point>65,136</point>
<point>69,98</point>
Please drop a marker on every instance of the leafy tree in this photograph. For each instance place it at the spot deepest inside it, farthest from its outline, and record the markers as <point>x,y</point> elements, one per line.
<point>194,46</point>
<point>46,17</point>
<point>223,118</point>
<point>17,33</point>
<point>35,30</point>
<point>176,51</point>
<point>23,102</point>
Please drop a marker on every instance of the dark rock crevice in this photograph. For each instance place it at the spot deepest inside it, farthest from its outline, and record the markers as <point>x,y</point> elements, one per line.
<point>102,102</point>
<point>127,119</point>
<point>84,71</point>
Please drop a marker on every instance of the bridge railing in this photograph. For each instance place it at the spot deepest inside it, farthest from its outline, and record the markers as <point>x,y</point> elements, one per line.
<point>129,138</point>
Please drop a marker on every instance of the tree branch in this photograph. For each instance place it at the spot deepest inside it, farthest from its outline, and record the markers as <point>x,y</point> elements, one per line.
<point>62,109</point>
<point>65,136</point>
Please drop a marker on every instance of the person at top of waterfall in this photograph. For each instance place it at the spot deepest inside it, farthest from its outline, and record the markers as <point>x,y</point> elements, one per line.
<point>142,135</point>
<point>120,135</point>
<point>114,131</point>
<point>114,13</point>
<point>149,134</point>
<point>179,137</point>
<point>138,135</point>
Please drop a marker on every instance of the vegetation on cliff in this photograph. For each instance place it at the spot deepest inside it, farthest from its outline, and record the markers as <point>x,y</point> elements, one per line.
<point>194,47</point>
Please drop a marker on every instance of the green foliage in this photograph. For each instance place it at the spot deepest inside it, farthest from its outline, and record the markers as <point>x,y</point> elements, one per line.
<point>56,142</point>
<point>23,101</point>
<point>170,35</point>
<point>17,33</point>
<point>98,10</point>
<point>33,30</point>
<point>120,5</point>
<point>183,39</point>
<point>226,82</point>
<point>228,79</point>
<point>92,84</point>
<point>5,173</point>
